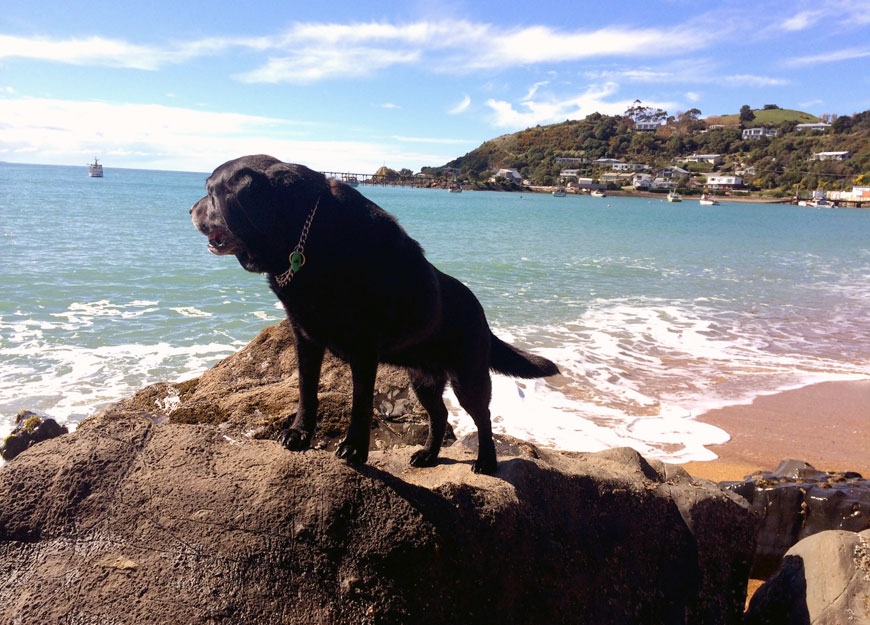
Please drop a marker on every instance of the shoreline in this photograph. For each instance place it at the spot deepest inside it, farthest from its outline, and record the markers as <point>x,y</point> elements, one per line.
<point>823,424</point>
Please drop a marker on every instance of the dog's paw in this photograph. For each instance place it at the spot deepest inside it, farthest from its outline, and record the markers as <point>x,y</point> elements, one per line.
<point>294,440</point>
<point>351,454</point>
<point>485,466</point>
<point>424,458</point>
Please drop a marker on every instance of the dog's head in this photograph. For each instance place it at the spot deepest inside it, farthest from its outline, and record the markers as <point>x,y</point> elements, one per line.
<point>255,207</point>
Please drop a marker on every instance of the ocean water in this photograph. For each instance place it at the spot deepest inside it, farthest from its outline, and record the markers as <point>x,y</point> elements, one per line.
<point>655,312</point>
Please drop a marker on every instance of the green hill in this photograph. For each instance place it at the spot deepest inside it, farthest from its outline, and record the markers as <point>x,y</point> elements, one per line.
<point>777,165</point>
<point>773,116</point>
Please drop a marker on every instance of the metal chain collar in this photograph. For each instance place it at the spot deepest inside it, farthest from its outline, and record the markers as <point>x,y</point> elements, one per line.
<point>297,256</point>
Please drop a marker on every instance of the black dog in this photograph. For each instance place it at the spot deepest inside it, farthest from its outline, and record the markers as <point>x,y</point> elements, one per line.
<point>352,281</point>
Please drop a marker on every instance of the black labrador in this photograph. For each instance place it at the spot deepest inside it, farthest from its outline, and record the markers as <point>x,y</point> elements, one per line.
<point>352,281</point>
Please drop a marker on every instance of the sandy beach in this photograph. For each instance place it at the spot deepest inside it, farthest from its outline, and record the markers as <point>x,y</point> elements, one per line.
<point>823,424</point>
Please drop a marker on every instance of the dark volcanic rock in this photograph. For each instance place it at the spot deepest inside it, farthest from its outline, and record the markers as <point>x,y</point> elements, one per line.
<point>795,501</point>
<point>30,429</point>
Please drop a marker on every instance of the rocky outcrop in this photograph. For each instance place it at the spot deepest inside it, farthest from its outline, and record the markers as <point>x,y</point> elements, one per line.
<point>170,507</point>
<point>823,580</point>
<point>128,521</point>
<point>796,501</point>
<point>256,389</point>
<point>29,429</point>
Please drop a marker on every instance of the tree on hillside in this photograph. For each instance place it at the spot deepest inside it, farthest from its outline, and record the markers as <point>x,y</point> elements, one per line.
<point>640,113</point>
<point>746,114</point>
<point>689,121</point>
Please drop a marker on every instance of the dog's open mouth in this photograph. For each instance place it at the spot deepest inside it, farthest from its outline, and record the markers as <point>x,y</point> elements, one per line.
<point>220,242</point>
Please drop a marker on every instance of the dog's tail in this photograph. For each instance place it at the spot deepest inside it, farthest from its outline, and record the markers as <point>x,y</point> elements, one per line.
<point>509,360</point>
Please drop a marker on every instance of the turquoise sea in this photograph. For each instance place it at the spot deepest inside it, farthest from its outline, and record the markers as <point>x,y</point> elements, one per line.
<point>655,312</point>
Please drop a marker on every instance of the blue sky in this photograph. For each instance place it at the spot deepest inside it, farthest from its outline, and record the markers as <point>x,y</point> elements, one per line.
<point>352,86</point>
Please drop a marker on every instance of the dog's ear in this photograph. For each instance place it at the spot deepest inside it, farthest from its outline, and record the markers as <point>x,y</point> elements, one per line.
<point>249,205</point>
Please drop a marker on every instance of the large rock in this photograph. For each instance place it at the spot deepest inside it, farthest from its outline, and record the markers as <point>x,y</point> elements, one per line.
<point>138,518</point>
<point>796,501</point>
<point>823,580</point>
<point>29,429</point>
<point>256,389</point>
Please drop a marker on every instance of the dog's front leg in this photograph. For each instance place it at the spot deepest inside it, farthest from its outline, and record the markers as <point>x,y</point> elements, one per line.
<point>309,356</point>
<point>355,446</point>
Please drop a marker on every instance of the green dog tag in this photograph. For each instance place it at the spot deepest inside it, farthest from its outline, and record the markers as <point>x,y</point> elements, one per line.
<point>297,259</point>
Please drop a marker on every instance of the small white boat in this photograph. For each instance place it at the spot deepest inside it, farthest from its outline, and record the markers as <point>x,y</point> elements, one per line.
<point>673,196</point>
<point>559,192</point>
<point>597,193</point>
<point>708,200</point>
<point>454,188</point>
<point>819,203</point>
<point>95,169</point>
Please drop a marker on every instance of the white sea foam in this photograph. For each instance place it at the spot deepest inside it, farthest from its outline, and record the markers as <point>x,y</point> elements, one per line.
<point>637,374</point>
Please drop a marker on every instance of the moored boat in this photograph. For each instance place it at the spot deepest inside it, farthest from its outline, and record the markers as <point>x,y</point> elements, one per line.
<point>454,188</point>
<point>597,193</point>
<point>559,192</point>
<point>95,169</point>
<point>673,196</point>
<point>708,200</point>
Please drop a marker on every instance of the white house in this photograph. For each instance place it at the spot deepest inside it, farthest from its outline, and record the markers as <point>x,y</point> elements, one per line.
<point>511,174</point>
<point>760,131</point>
<point>830,156</point>
<point>642,181</point>
<point>713,159</point>
<point>647,126</point>
<point>724,182</point>
<point>628,167</point>
<point>671,172</point>
<point>608,162</point>
<point>820,126</point>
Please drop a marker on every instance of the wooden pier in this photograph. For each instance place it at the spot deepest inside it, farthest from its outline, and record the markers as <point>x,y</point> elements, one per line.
<point>379,180</point>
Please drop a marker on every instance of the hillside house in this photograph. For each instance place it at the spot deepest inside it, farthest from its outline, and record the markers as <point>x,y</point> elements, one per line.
<point>616,178</point>
<point>830,156</point>
<point>647,126</point>
<point>607,162</point>
<point>641,182</point>
<point>571,160</point>
<point>671,172</point>
<point>724,182</point>
<point>818,126</point>
<point>712,159</point>
<point>511,174</point>
<point>760,131</point>
<point>628,167</point>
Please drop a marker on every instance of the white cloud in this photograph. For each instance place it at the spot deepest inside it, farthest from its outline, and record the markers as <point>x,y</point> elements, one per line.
<point>461,107</point>
<point>160,137</point>
<point>308,52</point>
<point>751,80</point>
<point>834,56</point>
<point>550,109</point>
<point>802,20</point>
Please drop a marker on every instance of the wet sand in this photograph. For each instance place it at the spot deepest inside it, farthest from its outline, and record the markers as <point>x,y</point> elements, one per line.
<point>826,425</point>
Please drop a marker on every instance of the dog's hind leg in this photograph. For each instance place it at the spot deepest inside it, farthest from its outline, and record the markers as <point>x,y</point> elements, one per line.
<point>429,390</point>
<point>474,392</point>
<point>297,436</point>
<point>355,446</point>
